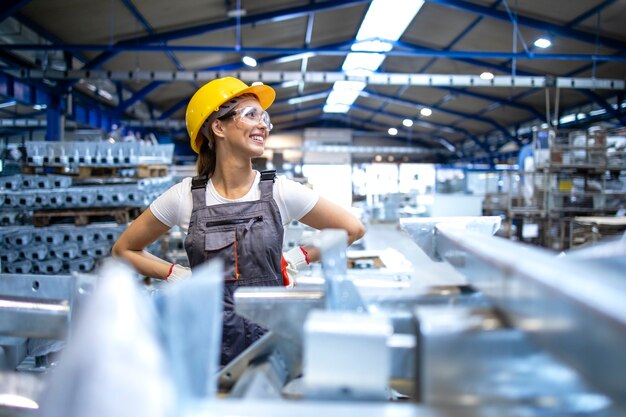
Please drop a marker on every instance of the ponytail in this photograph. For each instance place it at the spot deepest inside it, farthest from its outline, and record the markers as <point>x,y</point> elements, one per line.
<point>206,158</point>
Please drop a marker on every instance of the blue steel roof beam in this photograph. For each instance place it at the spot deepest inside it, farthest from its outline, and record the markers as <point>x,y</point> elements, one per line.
<point>139,95</point>
<point>553,28</point>
<point>313,96</point>
<point>169,112</point>
<point>577,20</point>
<point>133,10</point>
<point>296,110</point>
<point>307,43</point>
<point>349,120</point>
<point>508,102</point>
<point>596,9</point>
<point>44,34</point>
<point>458,37</point>
<point>606,106</point>
<point>437,126</point>
<point>275,58</point>
<point>9,8</point>
<point>275,16</point>
<point>423,52</point>
<point>448,111</point>
<point>592,119</point>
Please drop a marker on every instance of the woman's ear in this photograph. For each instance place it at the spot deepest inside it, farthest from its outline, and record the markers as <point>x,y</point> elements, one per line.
<point>217,128</point>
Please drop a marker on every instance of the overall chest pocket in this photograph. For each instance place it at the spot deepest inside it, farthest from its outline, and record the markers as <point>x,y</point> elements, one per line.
<point>232,241</point>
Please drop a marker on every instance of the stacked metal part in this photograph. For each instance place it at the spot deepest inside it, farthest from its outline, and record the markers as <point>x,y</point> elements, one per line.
<point>32,192</point>
<point>97,154</point>
<point>55,249</point>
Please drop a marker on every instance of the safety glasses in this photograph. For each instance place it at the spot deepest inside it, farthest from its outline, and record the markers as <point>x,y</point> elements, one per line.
<point>249,115</point>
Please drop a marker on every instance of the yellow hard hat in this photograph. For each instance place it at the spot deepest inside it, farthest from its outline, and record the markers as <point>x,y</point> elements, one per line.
<point>212,95</point>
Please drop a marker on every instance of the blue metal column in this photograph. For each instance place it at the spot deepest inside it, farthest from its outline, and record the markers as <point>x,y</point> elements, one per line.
<point>53,114</point>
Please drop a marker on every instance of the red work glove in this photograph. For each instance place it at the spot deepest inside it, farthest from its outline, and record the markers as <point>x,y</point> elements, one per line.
<point>291,261</point>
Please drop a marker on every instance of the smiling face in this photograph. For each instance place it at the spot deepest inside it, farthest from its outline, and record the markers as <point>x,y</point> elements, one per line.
<point>246,128</point>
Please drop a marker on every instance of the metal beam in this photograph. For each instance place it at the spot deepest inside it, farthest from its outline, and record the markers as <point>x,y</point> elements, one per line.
<point>490,122</point>
<point>459,37</point>
<point>416,52</point>
<point>9,7</point>
<point>399,79</point>
<point>508,102</point>
<point>594,10</point>
<point>139,95</point>
<point>534,23</point>
<point>274,16</point>
<point>434,125</point>
<point>616,113</point>
<point>135,12</point>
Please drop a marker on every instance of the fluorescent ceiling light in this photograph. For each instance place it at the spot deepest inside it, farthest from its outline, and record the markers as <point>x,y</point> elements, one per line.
<point>392,131</point>
<point>249,61</point>
<point>342,97</point>
<point>449,146</point>
<point>388,19</point>
<point>597,112</point>
<point>543,43</point>
<point>362,64</point>
<point>407,122</point>
<point>310,97</point>
<point>567,119</point>
<point>336,108</point>
<point>371,46</point>
<point>8,104</point>
<point>295,57</point>
<point>40,106</point>
<point>105,94</point>
<point>426,112</point>
<point>486,75</point>
<point>385,20</point>
<point>290,83</point>
<point>349,85</point>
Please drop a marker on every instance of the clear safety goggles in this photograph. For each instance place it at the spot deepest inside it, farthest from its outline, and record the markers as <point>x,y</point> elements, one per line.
<point>249,115</point>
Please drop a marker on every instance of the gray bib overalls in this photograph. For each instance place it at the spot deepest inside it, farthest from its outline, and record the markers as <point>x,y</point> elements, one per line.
<point>248,236</point>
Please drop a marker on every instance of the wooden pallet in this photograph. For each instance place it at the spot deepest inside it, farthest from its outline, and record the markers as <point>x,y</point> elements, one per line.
<point>80,217</point>
<point>87,171</point>
<point>152,171</point>
<point>46,169</point>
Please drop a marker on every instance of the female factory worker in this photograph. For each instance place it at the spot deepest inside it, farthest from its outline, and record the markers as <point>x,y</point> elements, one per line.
<point>230,210</point>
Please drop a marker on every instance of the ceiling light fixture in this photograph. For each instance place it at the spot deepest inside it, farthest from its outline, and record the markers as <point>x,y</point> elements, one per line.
<point>407,122</point>
<point>392,131</point>
<point>426,112</point>
<point>543,43</point>
<point>249,61</point>
<point>336,108</point>
<point>486,75</point>
<point>9,103</point>
<point>383,23</point>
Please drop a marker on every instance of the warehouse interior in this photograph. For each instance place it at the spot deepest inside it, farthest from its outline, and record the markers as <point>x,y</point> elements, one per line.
<point>482,144</point>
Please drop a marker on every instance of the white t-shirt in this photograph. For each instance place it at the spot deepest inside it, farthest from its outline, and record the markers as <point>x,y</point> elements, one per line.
<point>173,207</point>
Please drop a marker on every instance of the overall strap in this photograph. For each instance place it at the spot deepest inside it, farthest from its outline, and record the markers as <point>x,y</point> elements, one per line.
<point>198,191</point>
<point>267,184</point>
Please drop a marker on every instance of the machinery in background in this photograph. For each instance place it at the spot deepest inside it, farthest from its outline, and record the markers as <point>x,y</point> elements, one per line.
<point>529,334</point>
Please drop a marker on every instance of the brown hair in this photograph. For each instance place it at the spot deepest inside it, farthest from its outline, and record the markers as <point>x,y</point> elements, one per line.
<point>207,156</point>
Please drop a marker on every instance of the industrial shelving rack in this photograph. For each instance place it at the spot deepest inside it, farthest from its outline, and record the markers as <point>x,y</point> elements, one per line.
<point>574,175</point>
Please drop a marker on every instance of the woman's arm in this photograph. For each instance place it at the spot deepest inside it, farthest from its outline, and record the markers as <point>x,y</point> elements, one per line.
<point>130,246</point>
<point>328,215</point>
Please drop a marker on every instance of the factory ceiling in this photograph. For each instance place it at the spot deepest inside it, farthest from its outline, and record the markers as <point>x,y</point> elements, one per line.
<point>466,77</point>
